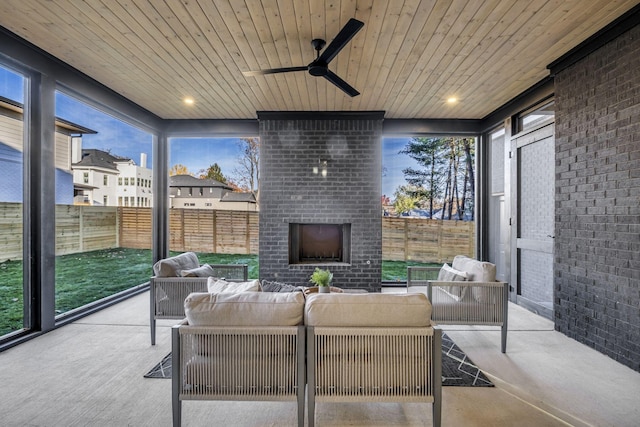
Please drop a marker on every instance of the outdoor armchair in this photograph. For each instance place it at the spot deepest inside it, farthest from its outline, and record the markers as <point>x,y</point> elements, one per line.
<point>464,294</point>
<point>167,293</point>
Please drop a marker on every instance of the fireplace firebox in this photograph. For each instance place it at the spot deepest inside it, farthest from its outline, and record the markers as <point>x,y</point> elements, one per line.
<point>319,243</point>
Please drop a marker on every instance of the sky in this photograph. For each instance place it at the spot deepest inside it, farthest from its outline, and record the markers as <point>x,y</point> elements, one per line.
<point>197,154</point>
<point>393,163</point>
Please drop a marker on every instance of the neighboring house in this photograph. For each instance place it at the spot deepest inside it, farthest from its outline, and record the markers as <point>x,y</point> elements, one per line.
<point>187,192</point>
<point>12,154</point>
<point>104,179</point>
<point>239,202</point>
<point>137,192</point>
<point>94,176</point>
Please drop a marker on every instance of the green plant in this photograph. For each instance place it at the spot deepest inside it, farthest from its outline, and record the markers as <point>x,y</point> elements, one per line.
<point>321,277</point>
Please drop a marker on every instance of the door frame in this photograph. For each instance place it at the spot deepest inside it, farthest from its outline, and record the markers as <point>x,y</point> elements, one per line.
<point>543,131</point>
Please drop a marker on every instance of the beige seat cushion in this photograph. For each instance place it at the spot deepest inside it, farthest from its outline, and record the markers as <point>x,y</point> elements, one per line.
<point>477,271</point>
<point>368,310</point>
<point>245,309</point>
<point>172,267</point>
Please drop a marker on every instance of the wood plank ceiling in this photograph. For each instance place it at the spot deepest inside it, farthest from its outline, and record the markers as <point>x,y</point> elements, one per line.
<point>409,58</point>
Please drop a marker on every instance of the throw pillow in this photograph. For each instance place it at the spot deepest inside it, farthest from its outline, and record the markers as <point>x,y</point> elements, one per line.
<point>171,267</point>
<point>270,286</point>
<point>449,274</point>
<point>217,286</point>
<point>202,271</point>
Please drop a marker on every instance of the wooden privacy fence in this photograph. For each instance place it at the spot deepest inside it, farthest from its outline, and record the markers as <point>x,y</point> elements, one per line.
<point>426,240</point>
<point>10,231</point>
<point>198,230</point>
<point>89,228</point>
<point>135,228</point>
<point>85,228</point>
<point>211,231</point>
<point>78,229</point>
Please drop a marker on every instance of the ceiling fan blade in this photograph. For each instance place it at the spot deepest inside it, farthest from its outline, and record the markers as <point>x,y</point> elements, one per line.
<point>346,33</point>
<point>273,71</point>
<point>346,87</point>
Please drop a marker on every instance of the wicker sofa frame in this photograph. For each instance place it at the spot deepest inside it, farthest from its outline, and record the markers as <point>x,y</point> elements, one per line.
<point>271,356</point>
<point>167,294</point>
<point>372,348</point>
<point>492,310</point>
<point>375,365</point>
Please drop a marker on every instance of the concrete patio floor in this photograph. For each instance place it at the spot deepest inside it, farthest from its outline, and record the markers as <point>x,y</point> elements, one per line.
<point>90,373</point>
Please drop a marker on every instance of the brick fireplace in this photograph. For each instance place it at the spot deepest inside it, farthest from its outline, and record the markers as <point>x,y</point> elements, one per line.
<point>321,172</point>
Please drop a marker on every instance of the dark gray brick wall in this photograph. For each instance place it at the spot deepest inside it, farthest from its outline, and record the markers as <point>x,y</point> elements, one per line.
<point>597,245</point>
<point>350,193</point>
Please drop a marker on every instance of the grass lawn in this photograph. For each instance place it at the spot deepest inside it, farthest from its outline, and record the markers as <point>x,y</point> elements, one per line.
<point>89,276</point>
<point>396,271</point>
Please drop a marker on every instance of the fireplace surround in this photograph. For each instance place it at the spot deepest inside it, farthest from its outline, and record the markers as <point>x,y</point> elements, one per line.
<point>342,201</point>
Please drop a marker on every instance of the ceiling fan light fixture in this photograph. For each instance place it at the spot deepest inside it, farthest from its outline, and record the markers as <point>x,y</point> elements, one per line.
<point>318,70</point>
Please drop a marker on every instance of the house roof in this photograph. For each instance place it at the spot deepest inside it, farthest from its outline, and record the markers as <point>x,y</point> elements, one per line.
<point>239,197</point>
<point>7,104</point>
<point>93,158</point>
<point>190,181</point>
<point>407,60</point>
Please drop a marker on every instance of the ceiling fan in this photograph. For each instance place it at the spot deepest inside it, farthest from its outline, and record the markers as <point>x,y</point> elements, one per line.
<point>319,67</point>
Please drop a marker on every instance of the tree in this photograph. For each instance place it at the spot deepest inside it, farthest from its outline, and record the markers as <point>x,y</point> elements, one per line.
<point>247,174</point>
<point>179,169</point>
<point>469,178</point>
<point>427,152</point>
<point>447,207</point>
<point>446,176</point>
<point>403,203</point>
<point>214,172</point>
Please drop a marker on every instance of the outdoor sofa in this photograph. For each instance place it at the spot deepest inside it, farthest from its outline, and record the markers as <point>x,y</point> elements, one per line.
<point>356,348</point>
<point>465,293</point>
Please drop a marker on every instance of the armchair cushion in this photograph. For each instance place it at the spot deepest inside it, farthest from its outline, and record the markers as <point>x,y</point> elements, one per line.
<point>477,271</point>
<point>270,286</point>
<point>202,271</point>
<point>216,286</point>
<point>368,310</point>
<point>245,309</point>
<point>171,267</point>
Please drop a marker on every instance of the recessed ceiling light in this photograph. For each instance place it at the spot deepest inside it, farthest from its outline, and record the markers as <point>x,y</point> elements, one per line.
<point>189,101</point>
<point>452,100</point>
